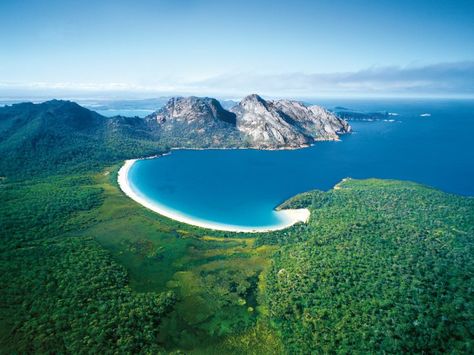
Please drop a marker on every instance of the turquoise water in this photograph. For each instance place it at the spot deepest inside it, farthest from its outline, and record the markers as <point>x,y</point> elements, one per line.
<point>241,187</point>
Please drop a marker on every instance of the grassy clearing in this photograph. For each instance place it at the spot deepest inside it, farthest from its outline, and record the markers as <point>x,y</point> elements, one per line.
<point>215,275</point>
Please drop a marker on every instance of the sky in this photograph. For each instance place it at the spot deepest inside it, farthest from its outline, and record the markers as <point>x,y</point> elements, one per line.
<point>139,48</point>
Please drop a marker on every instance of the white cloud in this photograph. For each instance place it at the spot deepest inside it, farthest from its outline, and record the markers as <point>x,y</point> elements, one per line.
<point>444,79</point>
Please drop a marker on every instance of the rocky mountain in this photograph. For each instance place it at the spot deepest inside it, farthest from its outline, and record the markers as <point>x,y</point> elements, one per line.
<point>285,123</point>
<point>201,109</point>
<point>195,122</point>
<point>34,137</point>
<point>254,122</point>
<point>265,126</point>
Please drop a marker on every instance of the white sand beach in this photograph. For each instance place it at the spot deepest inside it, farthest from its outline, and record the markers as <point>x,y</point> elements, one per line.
<point>289,216</point>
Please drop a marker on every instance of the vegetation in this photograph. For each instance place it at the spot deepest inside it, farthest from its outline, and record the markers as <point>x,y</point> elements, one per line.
<point>382,266</point>
<point>65,293</point>
<point>59,137</point>
<point>84,268</point>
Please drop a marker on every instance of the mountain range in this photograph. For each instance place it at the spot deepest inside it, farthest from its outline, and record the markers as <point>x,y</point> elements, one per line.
<point>252,123</point>
<point>64,133</point>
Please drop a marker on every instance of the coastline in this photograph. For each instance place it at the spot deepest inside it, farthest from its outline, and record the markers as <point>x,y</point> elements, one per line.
<point>289,216</point>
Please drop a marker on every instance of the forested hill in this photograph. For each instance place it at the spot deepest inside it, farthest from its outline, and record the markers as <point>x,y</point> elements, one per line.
<point>60,136</point>
<point>382,267</point>
<point>36,139</point>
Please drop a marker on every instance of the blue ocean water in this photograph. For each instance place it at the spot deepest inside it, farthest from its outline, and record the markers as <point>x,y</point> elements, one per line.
<point>124,112</point>
<point>242,187</point>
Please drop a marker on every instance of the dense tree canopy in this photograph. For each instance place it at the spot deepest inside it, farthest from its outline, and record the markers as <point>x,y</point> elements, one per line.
<point>382,266</point>
<point>66,294</point>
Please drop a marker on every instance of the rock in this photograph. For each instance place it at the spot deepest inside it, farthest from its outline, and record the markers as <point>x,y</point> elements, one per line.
<point>191,109</point>
<point>195,122</point>
<point>314,121</point>
<point>285,123</point>
<point>264,126</point>
<point>254,122</point>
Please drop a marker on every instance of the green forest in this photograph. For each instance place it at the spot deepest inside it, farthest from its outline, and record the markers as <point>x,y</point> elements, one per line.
<point>381,267</point>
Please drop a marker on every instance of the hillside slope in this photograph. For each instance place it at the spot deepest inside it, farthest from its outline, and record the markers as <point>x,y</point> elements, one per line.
<point>382,267</point>
<point>285,123</point>
<point>195,122</point>
<point>36,138</point>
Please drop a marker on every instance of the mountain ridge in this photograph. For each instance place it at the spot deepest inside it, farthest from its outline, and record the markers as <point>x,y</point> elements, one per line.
<point>36,137</point>
<point>261,124</point>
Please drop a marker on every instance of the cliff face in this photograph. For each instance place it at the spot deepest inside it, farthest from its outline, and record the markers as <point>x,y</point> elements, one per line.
<point>254,122</point>
<point>263,125</point>
<point>195,122</point>
<point>203,110</point>
<point>285,123</point>
<point>313,121</point>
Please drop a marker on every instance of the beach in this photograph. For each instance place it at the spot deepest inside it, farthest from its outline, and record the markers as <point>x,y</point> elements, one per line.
<point>289,216</point>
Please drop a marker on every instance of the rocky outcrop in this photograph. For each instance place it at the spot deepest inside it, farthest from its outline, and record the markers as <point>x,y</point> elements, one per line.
<point>192,109</point>
<point>264,126</point>
<point>254,122</point>
<point>195,122</point>
<point>285,123</point>
<point>313,121</point>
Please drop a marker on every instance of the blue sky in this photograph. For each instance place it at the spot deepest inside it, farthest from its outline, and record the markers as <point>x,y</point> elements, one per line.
<point>230,48</point>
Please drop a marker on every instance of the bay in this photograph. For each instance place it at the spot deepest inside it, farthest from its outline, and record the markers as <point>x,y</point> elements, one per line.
<point>242,187</point>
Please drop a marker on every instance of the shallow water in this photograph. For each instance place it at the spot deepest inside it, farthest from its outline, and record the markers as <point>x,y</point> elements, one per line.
<point>241,187</point>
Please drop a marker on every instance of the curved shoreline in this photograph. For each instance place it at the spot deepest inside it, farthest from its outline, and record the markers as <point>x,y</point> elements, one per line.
<point>289,216</point>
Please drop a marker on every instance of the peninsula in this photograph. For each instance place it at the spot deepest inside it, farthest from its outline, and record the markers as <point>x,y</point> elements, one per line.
<point>253,123</point>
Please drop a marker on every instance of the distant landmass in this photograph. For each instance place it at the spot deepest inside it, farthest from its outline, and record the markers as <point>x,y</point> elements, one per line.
<point>354,115</point>
<point>145,104</point>
<point>81,137</point>
<point>252,123</point>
